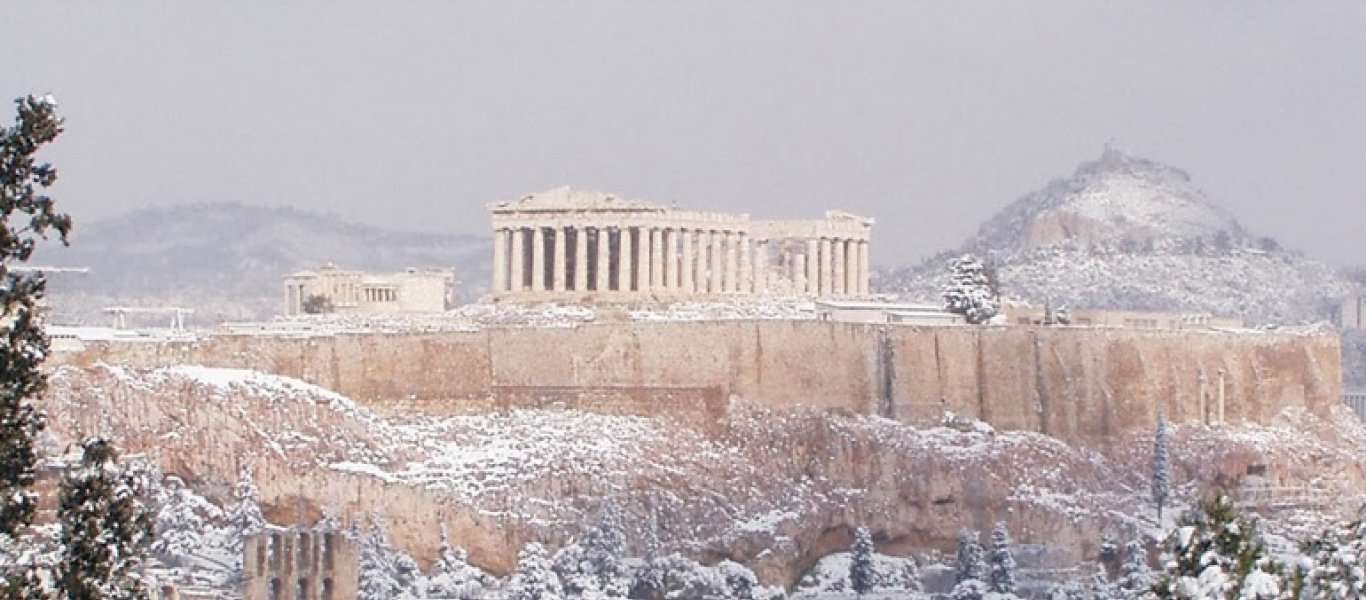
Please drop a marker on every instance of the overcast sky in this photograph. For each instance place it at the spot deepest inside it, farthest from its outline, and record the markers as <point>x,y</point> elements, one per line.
<point>927,116</point>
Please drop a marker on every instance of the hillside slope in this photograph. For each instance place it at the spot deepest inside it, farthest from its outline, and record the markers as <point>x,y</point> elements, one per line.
<point>775,490</point>
<point>227,260</point>
<point>1129,233</point>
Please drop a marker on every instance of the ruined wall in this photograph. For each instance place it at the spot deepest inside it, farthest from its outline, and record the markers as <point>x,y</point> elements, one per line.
<point>1076,384</point>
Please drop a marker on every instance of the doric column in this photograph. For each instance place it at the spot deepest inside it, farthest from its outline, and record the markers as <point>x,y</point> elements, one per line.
<point>863,267</point>
<point>687,271</point>
<point>624,268</point>
<point>671,259</point>
<point>580,258</point>
<point>729,284</point>
<point>827,269</point>
<point>500,261</point>
<point>642,258</point>
<point>800,283</point>
<point>518,259</point>
<point>813,267</point>
<point>839,278</point>
<point>702,262</point>
<point>716,274</point>
<point>656,258</point>
<point>538,259</point>
<point>602,276</point>
<point>746,264</point>
<point>558,282</point>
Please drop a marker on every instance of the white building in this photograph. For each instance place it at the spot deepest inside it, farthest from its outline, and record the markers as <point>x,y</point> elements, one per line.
<point>855,311</point>
<point>330,289</point>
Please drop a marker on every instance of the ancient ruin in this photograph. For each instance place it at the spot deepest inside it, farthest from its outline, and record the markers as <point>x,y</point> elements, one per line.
<point>308,565</point>
<point>569,244</point>
<point>330,289</point>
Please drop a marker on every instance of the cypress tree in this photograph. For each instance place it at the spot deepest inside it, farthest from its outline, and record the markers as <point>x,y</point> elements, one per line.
<point>1161,484</point>
<point>1002,561</point>
<point>27,215</point>
<point>861,577</point>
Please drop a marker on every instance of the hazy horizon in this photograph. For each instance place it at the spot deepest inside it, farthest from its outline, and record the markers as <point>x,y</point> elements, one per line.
<point>929,117</point>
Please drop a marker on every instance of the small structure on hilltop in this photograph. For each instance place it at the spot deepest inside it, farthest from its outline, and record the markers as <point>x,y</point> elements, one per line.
<point>577,245</point>
<point>303,564</point>
<point>899,313</point>
<point>330,289</point>
<point>1024,314</point>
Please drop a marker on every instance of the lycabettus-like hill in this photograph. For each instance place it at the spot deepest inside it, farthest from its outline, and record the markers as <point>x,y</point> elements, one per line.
<point>1125,232</point>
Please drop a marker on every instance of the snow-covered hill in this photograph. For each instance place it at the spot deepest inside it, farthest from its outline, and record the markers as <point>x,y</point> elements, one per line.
<point>227,260</point>
<point>1129,233</point>
<point>775,491</point>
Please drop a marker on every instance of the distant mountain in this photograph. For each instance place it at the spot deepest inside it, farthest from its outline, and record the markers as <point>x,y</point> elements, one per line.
<point>1130,233</point>
<point>227,260</point>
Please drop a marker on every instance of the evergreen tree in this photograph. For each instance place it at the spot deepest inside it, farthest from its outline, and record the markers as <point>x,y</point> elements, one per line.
<point>1135,576</point>
<point>453,577</point>
<point>1218,553</point>
<point>970,292</point>
<point>179,526</point>
<point>105,529</point>
<point>534,579</point>
<point>1338,563</point>
<point>26,216</point>
<point>1161,483</point>
<point>378,571</point>
<point>244,516</point>
<point>971,564</point>
<point>861,575</point>
<point>648,580</point>
<point>1002,561</point>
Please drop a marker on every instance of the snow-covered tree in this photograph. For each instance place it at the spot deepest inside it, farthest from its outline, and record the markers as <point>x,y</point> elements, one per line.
<point>861,576</point>
<point>379,571</point>
<point>1217,553</point>
<point>647,580</point>
<point>244,516</point>
<point>970,574</point>
<point>969,291</point>
<point>594,565</point>
<point>741,583</point>
<point>534,579</point>
<point>1161,482</point>
<point>27,215</point>
<point>1135,576</point>
<point>1002,561</point>
<point>453,577</point>
<point>971,563</point>
<point>182,522</point>
<point>970,589</point>
<point>1338,569</point>
<point>105,529</point>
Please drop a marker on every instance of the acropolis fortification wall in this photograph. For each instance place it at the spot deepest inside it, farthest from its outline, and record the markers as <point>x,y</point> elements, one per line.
<point>1077,384</point>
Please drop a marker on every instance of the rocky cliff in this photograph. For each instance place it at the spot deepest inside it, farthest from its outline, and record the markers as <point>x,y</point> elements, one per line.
<point>1080,385</point>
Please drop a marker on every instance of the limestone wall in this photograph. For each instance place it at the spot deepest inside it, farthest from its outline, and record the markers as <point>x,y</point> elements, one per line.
<point>1077,384</point>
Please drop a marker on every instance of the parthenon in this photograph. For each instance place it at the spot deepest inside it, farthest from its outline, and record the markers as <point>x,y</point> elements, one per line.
<point>578,245</point>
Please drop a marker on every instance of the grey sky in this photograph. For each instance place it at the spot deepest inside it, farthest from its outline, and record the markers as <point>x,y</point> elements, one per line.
<point>927,116</point>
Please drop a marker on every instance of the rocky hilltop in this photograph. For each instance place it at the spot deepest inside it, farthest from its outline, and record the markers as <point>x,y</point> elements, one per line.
<point>1126,232</point>
<point>227,260</point>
